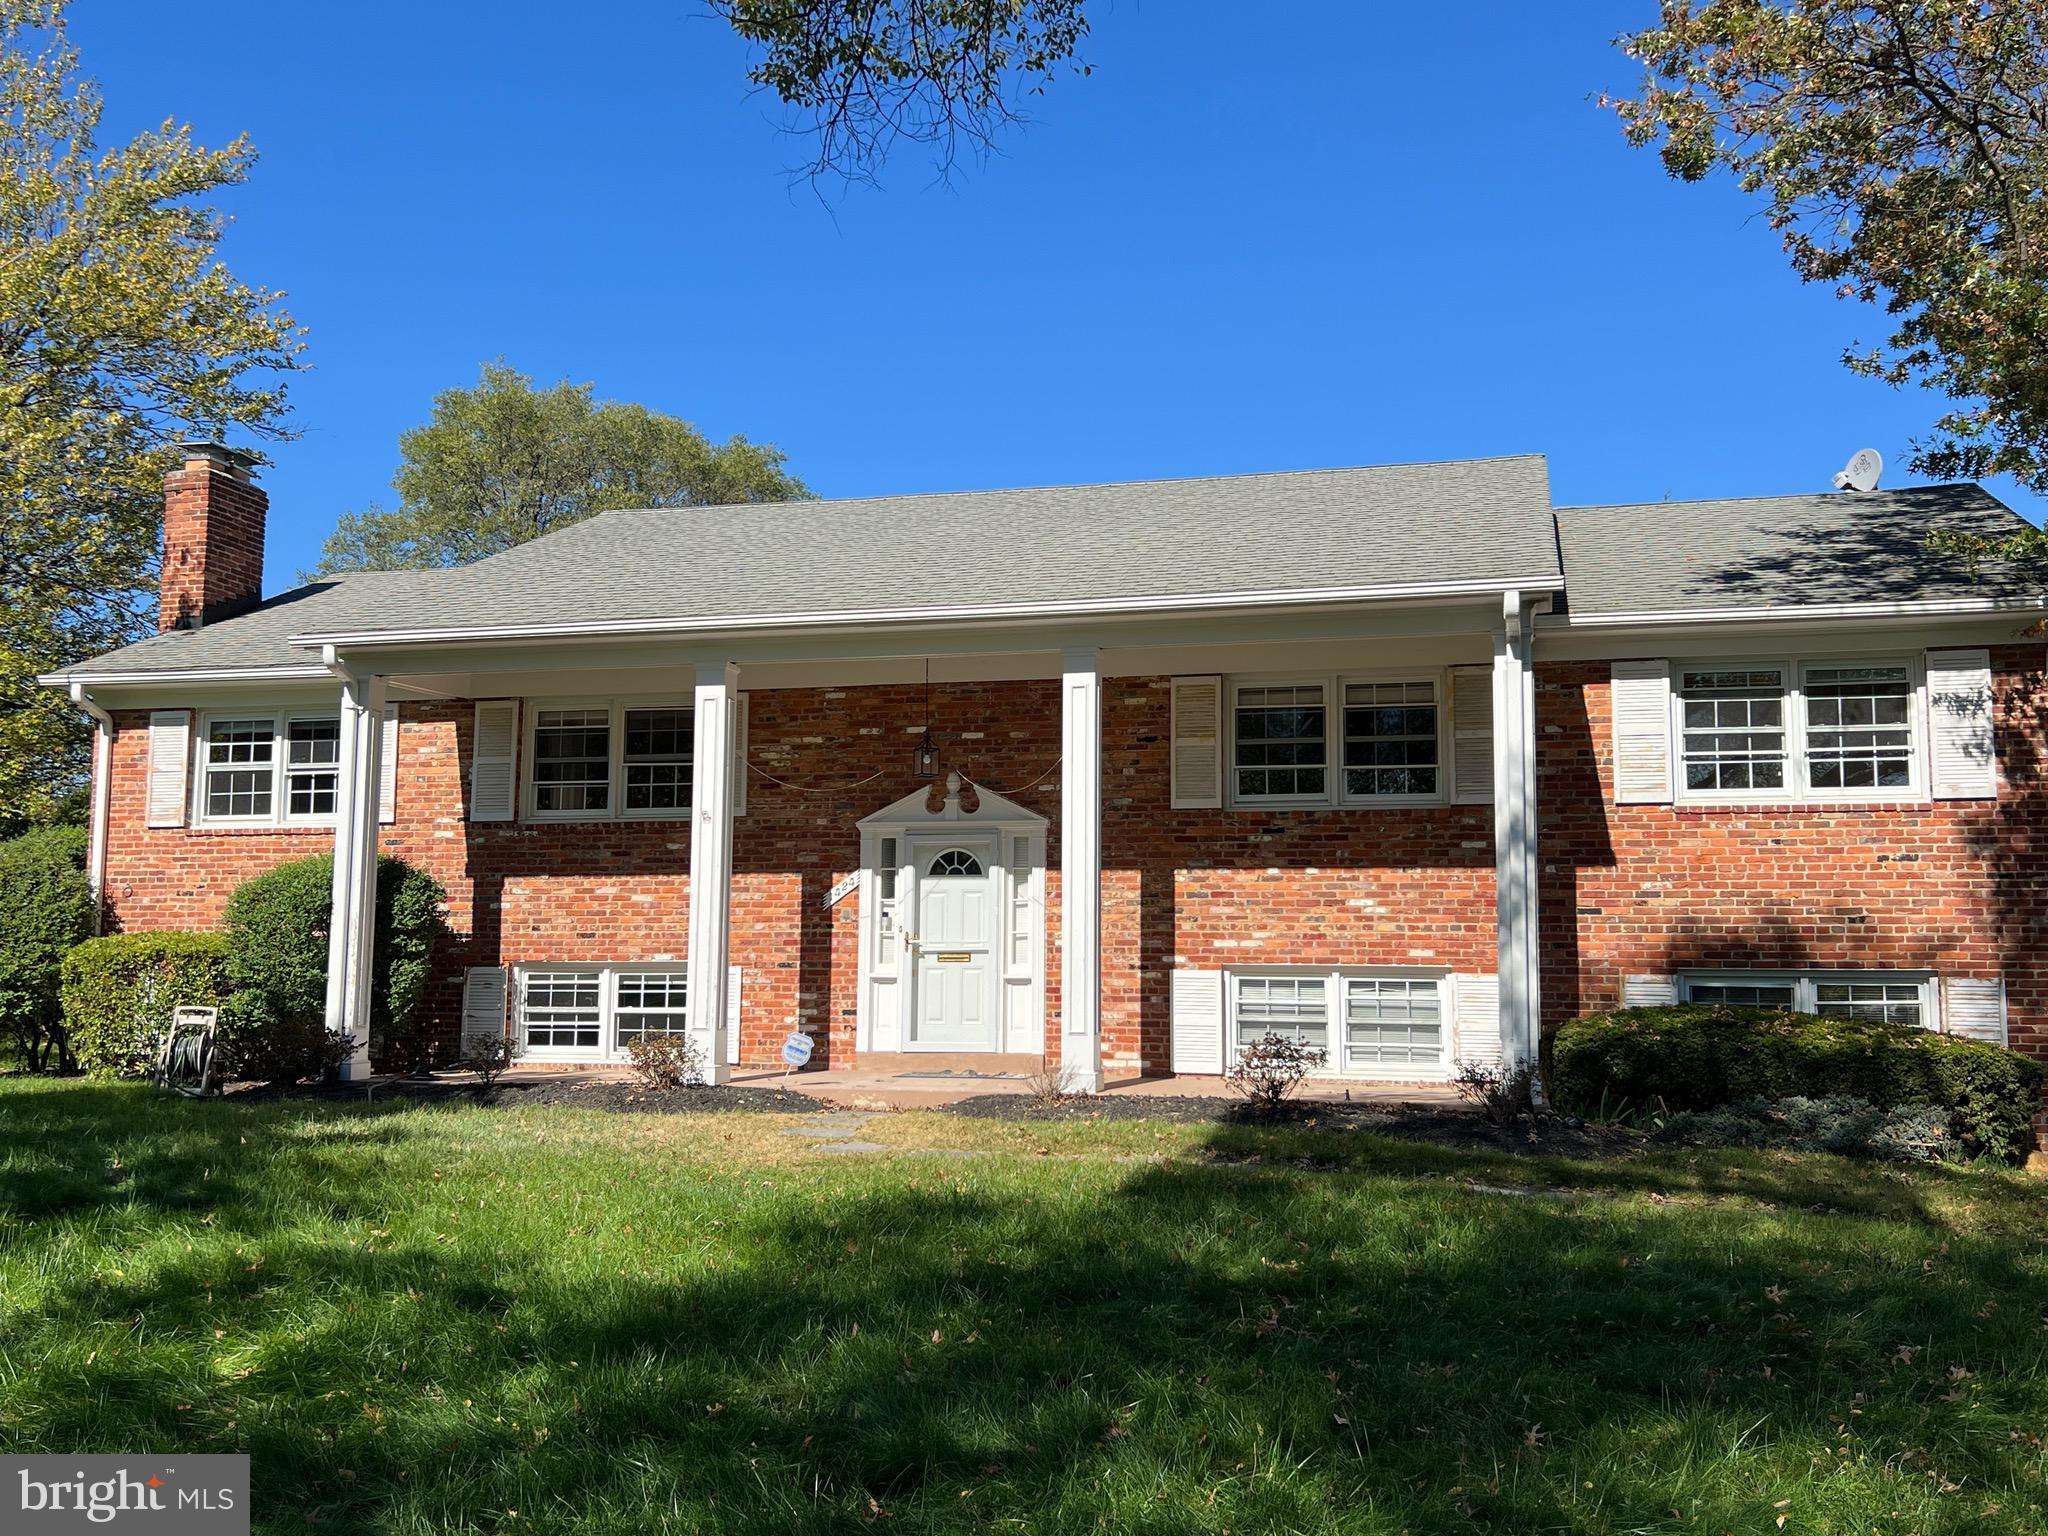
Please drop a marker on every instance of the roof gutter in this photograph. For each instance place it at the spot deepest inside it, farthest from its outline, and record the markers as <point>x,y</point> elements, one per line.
<point>1784,612</point>
<point>864,618</point>
<point>102,794</point>
<point>186,675</point>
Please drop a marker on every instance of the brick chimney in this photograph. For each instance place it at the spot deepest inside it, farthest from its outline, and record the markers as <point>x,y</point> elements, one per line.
<point>213,538</point>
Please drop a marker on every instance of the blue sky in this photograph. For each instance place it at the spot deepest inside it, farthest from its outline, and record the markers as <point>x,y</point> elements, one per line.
<point>1375,234</point>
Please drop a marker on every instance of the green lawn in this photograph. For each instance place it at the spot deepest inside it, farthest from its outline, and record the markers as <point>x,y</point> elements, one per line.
<point>463,1319</point>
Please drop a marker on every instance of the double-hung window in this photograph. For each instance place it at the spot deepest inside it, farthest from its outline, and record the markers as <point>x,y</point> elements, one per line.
<point>268,769</point>
<point>1337,741</point>
<point>1391,740</point>
<point>1282,738</point>
<point>596,761</point>
<point>1892,998</point>
<point>1366,1024</point>
<point>1859,726</point>
<point>1733,728</point>
<point>1800,731</point>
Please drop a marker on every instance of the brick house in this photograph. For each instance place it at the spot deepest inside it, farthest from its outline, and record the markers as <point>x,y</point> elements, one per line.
<point>1401,759</point>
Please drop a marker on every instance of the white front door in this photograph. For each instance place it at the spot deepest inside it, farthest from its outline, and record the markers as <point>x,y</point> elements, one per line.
<point>952,932</point>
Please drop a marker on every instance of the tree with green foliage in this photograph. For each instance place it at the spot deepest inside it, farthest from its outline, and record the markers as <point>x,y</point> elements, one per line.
<point>1901,150</point>
<point>120,332</point>
<point>866,74</point>
<point>504,462</point>
<point>45,909</point>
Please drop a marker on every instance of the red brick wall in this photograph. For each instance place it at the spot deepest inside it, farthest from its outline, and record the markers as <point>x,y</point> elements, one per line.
<point>213,545</point>
<point>1957,887</point>
<point>1199,888</point>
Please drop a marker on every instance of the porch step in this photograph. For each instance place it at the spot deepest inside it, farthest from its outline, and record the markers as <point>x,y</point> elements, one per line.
<point>988,1063</point>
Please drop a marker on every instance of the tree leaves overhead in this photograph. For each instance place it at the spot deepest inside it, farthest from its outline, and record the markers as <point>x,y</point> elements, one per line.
<point>946,74</point>
<point>1901,148</point>
<point>120,332</point>
<point>505,462</point>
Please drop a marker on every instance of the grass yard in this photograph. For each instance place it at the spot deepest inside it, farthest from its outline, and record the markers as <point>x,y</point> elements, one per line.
<point>459,1319</point>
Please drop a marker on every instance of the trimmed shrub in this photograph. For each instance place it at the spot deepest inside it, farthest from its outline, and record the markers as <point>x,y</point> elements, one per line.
<point>1906,1133</point>
<point>45,909</point>
<point>119,993</point>
<point>277,927</point>
<point>1691,1057</point>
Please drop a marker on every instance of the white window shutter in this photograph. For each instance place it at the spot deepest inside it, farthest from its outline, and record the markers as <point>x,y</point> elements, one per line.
<point>1471,735</point>
<point>387,768</point>
<point>485,991</point>
<point>1475,1004</point>
<point>1649,991</point>
<point>739,756</point>
<point>492,751</point>
<point>1642,732</point>
<point>170,750</point>
<point>1197,745</point>
<point>1975,1006</point>
<point>1960,724</point>
<point>732,1014</point>
<point>1197,1021</point>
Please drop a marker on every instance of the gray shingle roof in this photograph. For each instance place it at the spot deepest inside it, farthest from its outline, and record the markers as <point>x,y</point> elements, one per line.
<point>1474,520</point>
<point>1772,551</point>
<point>1391,525</point>
<point>259,638</point>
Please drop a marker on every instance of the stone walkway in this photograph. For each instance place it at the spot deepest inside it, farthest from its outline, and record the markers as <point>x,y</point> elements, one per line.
<point>837,1132</point>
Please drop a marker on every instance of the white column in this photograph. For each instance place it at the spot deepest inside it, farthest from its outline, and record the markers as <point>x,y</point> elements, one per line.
<point>351,939</point>
<point>1514,832</point>
<point>1081,869</point>
<point>711,862</point>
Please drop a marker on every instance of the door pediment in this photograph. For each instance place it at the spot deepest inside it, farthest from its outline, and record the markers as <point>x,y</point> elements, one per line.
<point>914,811</point>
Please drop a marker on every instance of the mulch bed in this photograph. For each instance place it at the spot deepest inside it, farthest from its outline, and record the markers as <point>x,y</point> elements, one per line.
<point>1426,1123</point>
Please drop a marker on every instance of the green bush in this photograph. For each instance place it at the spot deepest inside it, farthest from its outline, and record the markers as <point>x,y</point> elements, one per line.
<point>277,929</point>
<point>1691,1057</point>
<point>119,993</point>
<point>45,909</point>
<point>1905,1133</point>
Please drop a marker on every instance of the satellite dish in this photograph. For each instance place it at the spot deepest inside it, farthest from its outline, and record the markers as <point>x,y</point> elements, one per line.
<point>1861,472</point>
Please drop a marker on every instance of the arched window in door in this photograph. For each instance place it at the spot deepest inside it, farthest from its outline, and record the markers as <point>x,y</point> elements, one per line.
<point>955,861</point>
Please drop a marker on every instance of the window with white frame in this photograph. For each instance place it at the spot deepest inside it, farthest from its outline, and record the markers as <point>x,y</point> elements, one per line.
<point>649,1005</point>
<point>1368,1024</point>
<point>1733,728</point>
<point>1894,998</point>
<point>1392,1021</point>
<point>312,762</point>
<point>1390,739</point>
<point>1282,741</point>
<point>597,1010</point>
<point>1294,1007</point>
<point>605,759</point>
<point>1816,730</point>
<point>268,769</point>
<point>1340,740</point>
<point>561,1010</point>
<point>1859,726</point>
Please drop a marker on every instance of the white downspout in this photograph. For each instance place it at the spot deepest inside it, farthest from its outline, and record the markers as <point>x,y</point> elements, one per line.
<point>102,795</point>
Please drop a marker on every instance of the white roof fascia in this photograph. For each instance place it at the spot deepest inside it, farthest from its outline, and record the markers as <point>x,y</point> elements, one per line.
<point>867,618</point>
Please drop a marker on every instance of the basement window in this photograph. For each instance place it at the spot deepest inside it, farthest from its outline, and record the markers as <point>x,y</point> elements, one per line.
<point>1371,1024</point>
<point>594,1012</point>
<point>1879,997</point>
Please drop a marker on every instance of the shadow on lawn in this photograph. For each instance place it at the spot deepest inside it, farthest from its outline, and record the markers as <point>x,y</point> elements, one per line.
<point>1191,1346</point>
